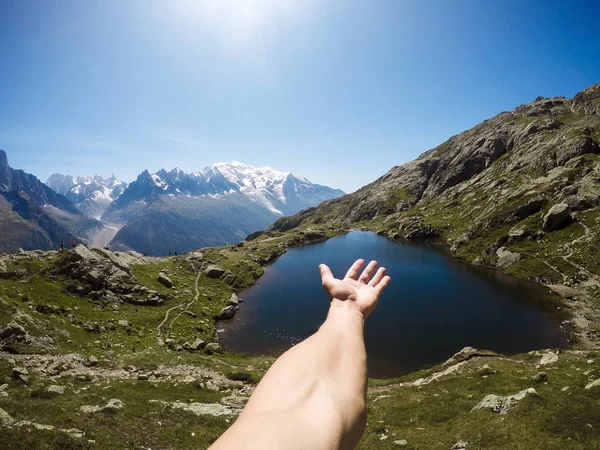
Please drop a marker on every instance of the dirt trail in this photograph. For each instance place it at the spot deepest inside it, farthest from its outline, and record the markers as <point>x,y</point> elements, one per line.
<point>183,307</point>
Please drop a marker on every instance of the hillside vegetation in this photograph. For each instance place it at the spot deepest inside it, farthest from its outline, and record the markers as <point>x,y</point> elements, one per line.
<point>109,350</point>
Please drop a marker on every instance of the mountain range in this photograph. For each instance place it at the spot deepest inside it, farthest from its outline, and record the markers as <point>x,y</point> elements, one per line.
<point>167,211</point>
<point>178,212</point>
<point>92,195</point>
<point>33,216</point>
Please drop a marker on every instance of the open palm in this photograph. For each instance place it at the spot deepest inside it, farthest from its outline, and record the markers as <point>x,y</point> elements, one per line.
<point>363,291</point>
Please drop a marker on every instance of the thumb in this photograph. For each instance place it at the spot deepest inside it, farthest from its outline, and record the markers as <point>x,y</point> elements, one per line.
<point>326,274</point>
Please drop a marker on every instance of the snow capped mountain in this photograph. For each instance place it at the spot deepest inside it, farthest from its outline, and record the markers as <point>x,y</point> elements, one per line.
<point>282,193</point>
<point>33,216</point>
<point>92,195</point>
<point>179,211</point>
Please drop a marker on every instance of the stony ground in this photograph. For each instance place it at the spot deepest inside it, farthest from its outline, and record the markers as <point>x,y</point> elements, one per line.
<point>116,350</point>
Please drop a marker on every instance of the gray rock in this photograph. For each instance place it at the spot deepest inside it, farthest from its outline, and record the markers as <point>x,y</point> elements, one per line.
<point>55,389</point>
<point>234,300</point>
<point>143,376</point>
<point>164,280</point>
<point>401,442</point>
<point>112,404</point>
<point>19,371</point>
<point>503,405</point>
<point>12,329</point>
<point>213,347</point>
<point>93,361</point>
<point>3,268</point>
<point>214,271</point>
<point>593,384</point>
<point>549,358</point>
<point>200,409</point>
<point>96,278</point>
<point>529,208</point>
<point>5,418</point>
<point>540,377</point>
<point>460,445</point>
<point>506,257</point>
<point>198,344</point>
<point>557,217</point>
<point>124,323</point>
<point>227,313</point>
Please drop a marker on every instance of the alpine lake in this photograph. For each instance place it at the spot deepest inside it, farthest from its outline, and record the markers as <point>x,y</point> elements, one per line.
<point>434,306</point>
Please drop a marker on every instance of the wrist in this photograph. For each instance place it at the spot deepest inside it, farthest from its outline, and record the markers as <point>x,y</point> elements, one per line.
<point>343,308</point>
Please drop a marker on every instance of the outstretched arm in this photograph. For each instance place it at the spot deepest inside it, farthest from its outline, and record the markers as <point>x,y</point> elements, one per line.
<point>314,395</point>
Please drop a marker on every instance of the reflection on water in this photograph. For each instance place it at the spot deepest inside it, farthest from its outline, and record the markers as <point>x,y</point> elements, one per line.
<point>435,306</point>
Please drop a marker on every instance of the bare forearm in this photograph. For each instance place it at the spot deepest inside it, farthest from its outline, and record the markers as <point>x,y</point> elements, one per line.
<point>318,385</point>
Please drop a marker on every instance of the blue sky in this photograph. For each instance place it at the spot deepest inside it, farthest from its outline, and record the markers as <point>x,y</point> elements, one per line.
<point>338,91</point>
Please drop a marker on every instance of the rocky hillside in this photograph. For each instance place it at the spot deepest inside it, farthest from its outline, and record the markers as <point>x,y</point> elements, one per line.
<point>104,350</point>
<point>520,191</point>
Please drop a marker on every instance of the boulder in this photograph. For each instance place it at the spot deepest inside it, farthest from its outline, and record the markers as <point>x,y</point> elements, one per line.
<point>227,313</point>
<point>81,253</point>
<point>460,445</point>
<point>55,389</point>
<point>593,384</point>
<point>540,377</point>
<point>529,208</point>
<point>124,323</point>
<point>112,404</point>
<point>96,278</point>
<point>503,405</point>
<point>401,442</point>
<point>213,347</point>
<point>198,344</point>
<point>506,257</point>
<point>12,329</point>
<point>3,268</point>
<point>549,358</point>
<point>5,418</point>
<point>234,300</point>
<point>19,371</point>
<point>214,271</point>
<point>559,216</point>
<point>164,280</point>
<point>92,361</point>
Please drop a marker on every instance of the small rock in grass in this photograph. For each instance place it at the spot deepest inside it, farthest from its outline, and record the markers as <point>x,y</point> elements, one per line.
<point>460,445</point>
<point>401,442</point>
<point>55,389</point>
<point>541,377</point>
<point>5,418</point>
<point>549,358</point>
<point>164,280</point>
<point>594,383</point>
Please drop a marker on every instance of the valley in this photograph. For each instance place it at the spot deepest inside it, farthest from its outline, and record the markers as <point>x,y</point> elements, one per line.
<point>105,348</point>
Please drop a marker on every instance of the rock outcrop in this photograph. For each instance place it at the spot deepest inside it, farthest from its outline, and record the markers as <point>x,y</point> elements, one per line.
<point>503,405</point>
<point>557,217</point>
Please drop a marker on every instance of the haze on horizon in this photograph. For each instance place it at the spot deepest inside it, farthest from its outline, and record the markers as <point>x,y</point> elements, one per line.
<point>335,91</point>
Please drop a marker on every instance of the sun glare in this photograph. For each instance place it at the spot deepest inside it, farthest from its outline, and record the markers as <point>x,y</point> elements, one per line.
<point>234,20</point>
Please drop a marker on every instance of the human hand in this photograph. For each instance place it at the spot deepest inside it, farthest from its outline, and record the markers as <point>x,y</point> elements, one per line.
<point>360,292</point>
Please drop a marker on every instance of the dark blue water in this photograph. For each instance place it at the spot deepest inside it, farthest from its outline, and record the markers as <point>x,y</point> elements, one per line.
<point>435,306</point>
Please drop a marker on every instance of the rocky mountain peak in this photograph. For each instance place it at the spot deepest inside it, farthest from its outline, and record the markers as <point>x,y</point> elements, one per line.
<point>3,159</point>
<point>588,100</point>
